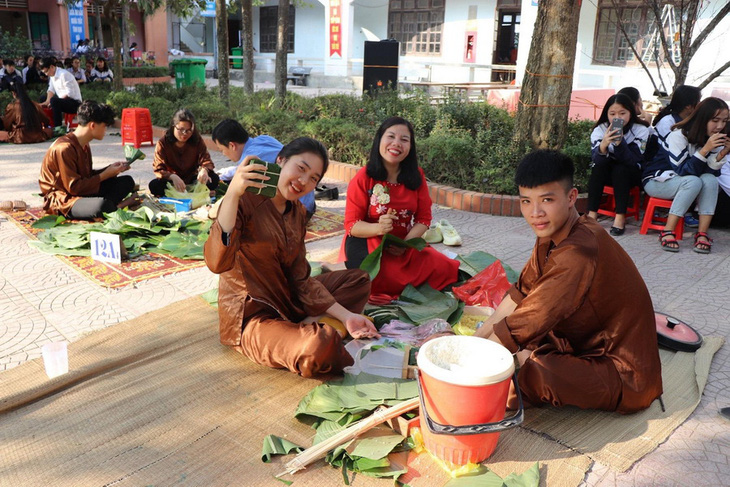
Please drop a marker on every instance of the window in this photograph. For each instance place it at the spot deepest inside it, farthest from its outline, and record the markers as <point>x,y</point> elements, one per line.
<point>417,25</point>
<point>268,20</point>
<point>610,45</point>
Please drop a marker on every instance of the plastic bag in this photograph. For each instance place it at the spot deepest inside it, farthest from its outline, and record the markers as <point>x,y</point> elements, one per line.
<point>415,335</point>
<point>486,288</point>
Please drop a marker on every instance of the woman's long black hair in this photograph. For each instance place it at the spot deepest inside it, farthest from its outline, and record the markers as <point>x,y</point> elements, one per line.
<point>409,175</point>
<point>183,115</point>
<point>625,102</point>
<point>684,96</point>
<point>694,127</point>
<point>28,110</point>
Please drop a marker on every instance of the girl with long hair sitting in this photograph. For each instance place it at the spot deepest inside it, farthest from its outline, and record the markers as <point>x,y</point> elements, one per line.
<point>687,169</point>
<point>24,121</point>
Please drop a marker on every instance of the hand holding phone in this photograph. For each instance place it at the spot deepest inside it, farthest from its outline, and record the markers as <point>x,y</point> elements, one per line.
<point>617,124</point>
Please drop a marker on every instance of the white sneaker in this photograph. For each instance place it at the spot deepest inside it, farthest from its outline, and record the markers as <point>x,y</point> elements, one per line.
<point>451,236</point>
<point>433,234</point>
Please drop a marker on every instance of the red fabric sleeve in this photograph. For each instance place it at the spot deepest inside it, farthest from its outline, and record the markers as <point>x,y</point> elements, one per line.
<point>358,200</point>
<point>423,212</point>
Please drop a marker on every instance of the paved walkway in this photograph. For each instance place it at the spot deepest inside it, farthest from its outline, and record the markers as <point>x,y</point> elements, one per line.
<point>43,300</point>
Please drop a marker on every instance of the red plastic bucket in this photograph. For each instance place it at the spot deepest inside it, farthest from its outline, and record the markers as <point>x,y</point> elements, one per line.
<point>464,384</point>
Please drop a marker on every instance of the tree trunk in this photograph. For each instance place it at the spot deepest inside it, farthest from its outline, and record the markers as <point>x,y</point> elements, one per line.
<point>99,29</point>
<point>545,96</point>
<point>282,48</point>
<point>221,16</point>
<point>125,34</point>
<point>247,37</point>
<point>111,16</point>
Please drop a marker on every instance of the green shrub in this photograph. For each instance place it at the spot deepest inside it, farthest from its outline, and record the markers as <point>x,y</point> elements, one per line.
<point>279,124</point>
<point>120,100</point>
<point>14,46</point>
<point>578,147</point>
<point>98,92</point>
<point>161,110</point>
<point>207,114</point>
<point>5,99</point>
<point>449,156</point>
<point>345,140</point>
<point>145,71</point>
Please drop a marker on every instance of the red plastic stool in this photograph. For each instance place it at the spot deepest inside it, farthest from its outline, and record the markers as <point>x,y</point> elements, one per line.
<point>49,113</point>
<point>136,126</point>
<point>647,224</point>
<point>68,121</point>
<point>609,207</point>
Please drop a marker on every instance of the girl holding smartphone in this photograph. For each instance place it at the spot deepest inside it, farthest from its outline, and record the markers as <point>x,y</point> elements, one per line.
<point>618,141</point>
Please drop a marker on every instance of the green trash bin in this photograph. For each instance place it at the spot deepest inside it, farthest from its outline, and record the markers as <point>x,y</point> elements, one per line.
<point>189,71</point>
<point>237,63</point>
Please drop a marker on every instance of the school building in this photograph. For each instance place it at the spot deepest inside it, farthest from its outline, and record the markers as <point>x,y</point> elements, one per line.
<point>461,40</point>
<point>440,41</point>
<point>52,27</point>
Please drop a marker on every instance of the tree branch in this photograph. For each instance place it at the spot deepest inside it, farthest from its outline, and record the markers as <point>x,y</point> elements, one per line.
<point>709,28</point>
<point>714,75</point>
<point>662,36</point>
<point>620,25</point>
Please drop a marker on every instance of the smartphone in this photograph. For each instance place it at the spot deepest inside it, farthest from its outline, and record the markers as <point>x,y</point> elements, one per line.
<point>617,123</point>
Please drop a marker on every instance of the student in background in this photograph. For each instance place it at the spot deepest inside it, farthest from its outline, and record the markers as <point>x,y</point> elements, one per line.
<point>24,121</point>
<point>236,144</point>
<point>688,168</point>
<point>181,157</point>
<point>76,70</point>
<point>11,75</point>
<point>643,117</point>
<point>101,73</point>
<point>616,155</point>
<point>64,95</point>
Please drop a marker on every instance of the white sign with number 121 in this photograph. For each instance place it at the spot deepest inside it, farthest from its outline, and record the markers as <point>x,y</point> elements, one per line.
<point>106,247</point>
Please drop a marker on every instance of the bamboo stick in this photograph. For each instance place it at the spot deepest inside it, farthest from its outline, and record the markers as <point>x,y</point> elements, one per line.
<point>319,450</point>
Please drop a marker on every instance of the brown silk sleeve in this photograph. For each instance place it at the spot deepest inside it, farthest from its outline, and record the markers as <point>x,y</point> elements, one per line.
<point>159,165</point>
<point>204,159</point>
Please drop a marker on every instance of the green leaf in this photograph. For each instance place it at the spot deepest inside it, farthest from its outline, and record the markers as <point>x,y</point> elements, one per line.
<point>211,297</point>
<point>376,448</point>
<point>48,221</point>
<point>425,303</point>
<point>477,261</point>
<point>371,263</point>
<point>274,445</point>
<point>482,477</point>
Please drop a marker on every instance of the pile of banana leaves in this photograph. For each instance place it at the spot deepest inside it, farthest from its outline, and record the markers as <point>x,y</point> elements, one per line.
<point>142,231</point>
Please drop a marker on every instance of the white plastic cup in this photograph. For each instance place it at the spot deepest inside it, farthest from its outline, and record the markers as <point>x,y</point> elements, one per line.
<point>55,358</point>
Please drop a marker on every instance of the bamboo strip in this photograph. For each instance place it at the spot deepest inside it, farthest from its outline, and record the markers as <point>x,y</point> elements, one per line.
<point>319,450</point>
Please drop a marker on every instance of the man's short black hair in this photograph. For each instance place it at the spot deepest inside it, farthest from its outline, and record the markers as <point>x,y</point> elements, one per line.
<point>229,131</point>
<point>91,111</point>
<point>8,62</point>
<point>47,62</point>
<point>543,167</point>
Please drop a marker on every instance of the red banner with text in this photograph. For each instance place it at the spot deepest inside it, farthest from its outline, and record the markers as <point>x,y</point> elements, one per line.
<point>335,28</point>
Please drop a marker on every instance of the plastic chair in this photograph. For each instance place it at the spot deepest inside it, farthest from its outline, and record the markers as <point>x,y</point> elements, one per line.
<point>608,208</point>
<point>647,224</point>
<point>49,114</point>
<point>136,126</point>
<point>68,121</point>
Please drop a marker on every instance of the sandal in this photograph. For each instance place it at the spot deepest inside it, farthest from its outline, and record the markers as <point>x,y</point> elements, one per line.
<point>669,244</point>
<point>6,206</point>
<point>19,205</point>
<point>702,247</point>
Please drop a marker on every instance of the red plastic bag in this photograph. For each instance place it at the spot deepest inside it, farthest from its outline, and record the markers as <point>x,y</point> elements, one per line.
<point>486,288</point>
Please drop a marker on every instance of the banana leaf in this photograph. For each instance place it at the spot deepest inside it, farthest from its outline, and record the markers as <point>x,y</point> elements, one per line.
<point>482,477</point>
<point>371,263</point>
<point>477,261</point>
<point>48,221</point>
<point>273,171</point>
<point>274,445</point>
<point>131,153</point>
<point>418,305</point>
<point>211,297</point>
